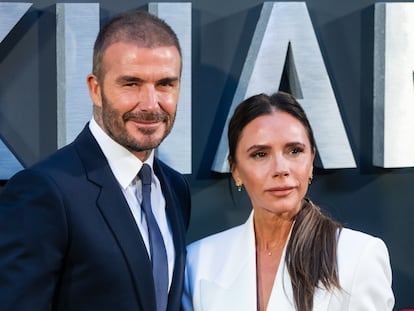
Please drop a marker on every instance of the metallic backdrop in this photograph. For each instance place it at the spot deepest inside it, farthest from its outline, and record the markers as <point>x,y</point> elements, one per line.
<point>372,91</point>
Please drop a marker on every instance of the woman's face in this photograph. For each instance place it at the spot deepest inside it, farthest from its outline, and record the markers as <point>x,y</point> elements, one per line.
<point>274,161</point>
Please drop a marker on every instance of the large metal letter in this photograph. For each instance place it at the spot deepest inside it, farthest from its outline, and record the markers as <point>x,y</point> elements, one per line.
<point>10,14</point>
<point>176,148</point>
<point>77,27</point>
<point>393,141</point>
<point>285,35</point>
<point>8,162</point>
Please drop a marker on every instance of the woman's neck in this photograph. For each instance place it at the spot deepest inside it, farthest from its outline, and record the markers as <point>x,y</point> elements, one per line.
<point>271,231</point>
<point>271,235</point>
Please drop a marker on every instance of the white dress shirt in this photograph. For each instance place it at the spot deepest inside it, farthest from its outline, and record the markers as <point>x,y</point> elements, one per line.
<point>125,167</point>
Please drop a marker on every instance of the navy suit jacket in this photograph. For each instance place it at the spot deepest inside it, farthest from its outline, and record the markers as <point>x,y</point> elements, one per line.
<point>68,240</point>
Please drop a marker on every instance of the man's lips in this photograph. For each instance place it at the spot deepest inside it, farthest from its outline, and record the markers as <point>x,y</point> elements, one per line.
<point>147,120</point>
<point>146,126</point>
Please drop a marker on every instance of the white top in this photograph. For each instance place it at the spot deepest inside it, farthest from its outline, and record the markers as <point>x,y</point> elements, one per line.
<point>125,167</point>
<point>221,275</point>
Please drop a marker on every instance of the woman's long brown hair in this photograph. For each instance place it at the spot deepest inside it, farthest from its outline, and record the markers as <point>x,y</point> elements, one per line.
<point>311,255</point>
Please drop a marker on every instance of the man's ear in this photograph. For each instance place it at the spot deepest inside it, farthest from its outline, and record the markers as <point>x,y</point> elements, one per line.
<point>94,90</point>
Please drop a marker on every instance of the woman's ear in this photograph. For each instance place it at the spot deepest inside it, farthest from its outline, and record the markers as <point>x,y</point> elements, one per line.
<point>235,173</point>
<point>311,168</point>
<point>236,177</point>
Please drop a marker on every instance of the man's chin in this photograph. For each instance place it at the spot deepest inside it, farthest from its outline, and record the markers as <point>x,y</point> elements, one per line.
<point>146,139</point>
<point>144,144</point>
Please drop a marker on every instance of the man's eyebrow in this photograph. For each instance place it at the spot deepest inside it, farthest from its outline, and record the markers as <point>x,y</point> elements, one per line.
<point>168,80</point>
<point>122,79</point>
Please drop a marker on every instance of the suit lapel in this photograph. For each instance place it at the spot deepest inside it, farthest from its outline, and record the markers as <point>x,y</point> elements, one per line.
<point>114,209</point>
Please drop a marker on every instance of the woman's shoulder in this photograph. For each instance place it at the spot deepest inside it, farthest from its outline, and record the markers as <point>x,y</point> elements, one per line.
<point>359,251</point>
<point>357,239</point>
<point>216,241</point>
<point>364,271</point>
<point>360,245</point>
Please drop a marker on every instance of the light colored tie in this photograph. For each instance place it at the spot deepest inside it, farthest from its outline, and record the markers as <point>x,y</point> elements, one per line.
<point>157,246</point>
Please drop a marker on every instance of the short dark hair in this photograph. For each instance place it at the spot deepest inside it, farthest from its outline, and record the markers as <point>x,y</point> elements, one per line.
<point>138,27</point>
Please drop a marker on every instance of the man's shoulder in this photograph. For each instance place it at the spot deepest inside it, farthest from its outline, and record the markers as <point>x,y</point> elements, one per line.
<point>165,168</point>
<point>168,174</point>
<point>59,159</point>
<point>63,159</point>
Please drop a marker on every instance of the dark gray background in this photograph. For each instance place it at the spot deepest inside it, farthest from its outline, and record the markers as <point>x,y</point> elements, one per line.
<point>374,200</point>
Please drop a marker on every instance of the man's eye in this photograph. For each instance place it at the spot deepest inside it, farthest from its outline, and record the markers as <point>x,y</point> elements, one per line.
<point>166,84</point>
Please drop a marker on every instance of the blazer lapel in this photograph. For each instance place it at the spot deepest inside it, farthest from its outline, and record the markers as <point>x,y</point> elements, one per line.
<point>114,208</point>
<point>321,299</point>
<point>281,297</point>
<point>235,287</point>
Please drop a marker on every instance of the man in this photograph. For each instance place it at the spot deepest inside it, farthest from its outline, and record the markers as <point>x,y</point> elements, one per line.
<point>73,231</point>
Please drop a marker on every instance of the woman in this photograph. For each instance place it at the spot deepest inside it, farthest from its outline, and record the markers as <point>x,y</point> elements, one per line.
<point>288,255</point>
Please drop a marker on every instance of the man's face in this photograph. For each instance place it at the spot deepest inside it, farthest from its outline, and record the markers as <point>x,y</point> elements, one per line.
<point>137,100</point>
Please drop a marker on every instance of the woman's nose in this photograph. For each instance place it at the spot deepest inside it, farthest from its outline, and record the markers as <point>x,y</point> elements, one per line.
<point>280,166</point>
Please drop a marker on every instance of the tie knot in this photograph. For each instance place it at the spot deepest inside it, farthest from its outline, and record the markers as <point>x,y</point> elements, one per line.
<point>145,174</point>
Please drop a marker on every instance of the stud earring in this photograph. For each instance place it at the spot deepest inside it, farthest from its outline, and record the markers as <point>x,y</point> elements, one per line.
<point>239,186</point>
<point>310,179</point>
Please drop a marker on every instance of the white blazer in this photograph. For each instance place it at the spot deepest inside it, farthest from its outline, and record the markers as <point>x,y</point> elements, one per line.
<point>221,275</point>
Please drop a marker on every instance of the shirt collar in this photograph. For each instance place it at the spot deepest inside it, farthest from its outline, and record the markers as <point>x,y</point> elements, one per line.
<point>124,165</point>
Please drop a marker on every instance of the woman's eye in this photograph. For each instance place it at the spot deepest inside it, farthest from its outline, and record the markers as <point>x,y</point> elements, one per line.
<point>259,154</point>
<point>296,150</point>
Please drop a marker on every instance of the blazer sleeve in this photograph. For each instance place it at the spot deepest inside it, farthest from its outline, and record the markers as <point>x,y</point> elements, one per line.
<point>33,229</point>
<point>371,287</point>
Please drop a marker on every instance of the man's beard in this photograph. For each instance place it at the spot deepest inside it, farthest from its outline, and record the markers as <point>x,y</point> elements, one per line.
<point>114,125</point>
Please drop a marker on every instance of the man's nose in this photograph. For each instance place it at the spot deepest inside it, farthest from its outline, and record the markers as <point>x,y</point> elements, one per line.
<point>148,99</point>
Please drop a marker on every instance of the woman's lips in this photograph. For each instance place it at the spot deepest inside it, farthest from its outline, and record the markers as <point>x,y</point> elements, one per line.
<point>281,190</point>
